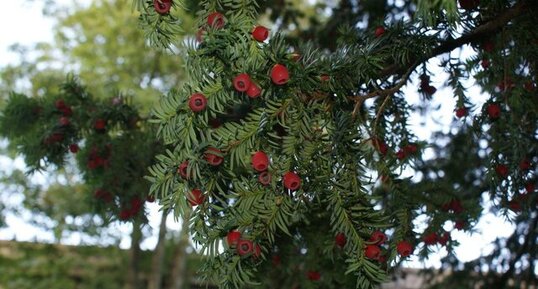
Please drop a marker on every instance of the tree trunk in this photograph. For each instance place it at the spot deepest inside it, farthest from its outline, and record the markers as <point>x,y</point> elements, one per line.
<point>155,281</point>
<point>133,281</point>
<point>179,267</point>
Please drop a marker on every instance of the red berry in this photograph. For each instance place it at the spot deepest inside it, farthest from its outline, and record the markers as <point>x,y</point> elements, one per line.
<point>400,154</point>
<point>404,248</point>
<point>514,205</point>
<point>530,187</point>
<point>242,82</point>
<point>195,197</point>
<point>244,247</point>
<point>182,169</point>
<point>213,156</point>
<point>100,124</point>
<point>257,252</point>
<point>253,90</point>
<point>64,121</point>
<point>264,178</point>
<point>74,148</point>
<point>260,33</point>
<point>410,149</point>
<point>485,63</point>
<point>524,165</point>
<point>380,30</point>
<point>378,238</point>
<point>501,170</point>
<point>461,112</point>
<point>430,238</point>
<point>313,275</point>
<point>494,110</point>
<point>459,225</point>
<point>469,4</point>
<point>197,102</point>
<point>260,161</point>
<point>380,146</point>
<point>60,104</point>
<point>292,181</point>
<point>215,20</point>
<point>275,260</point>
<point>372,252</point>
<point>340,240</point>
<point>279,74</point>
<point>233,237</point>
<point>444,238</point>
<point>324,78</point>
<point>67,111</point>
<point>529,86</point>
<point>150,198</point>
<point>124,214</point>
<point>136,205</point>
<point>162,6</point>
<point>505,84</point>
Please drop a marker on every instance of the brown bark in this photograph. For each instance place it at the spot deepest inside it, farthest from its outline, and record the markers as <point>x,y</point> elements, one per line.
<point>155,281</point>
<point>133,280</point>
<point>179,267</point>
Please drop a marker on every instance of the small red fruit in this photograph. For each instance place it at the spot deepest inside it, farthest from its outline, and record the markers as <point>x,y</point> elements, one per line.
<point>195,197</point>
<point>60,104</point>
<point>182,169</point>
<point>324,78</point>
<point>215,20</point>
<point>514,205</point>
<point>197,102</point>
<point>124,214</point>
<point>276,260</point>
<point>279,74</point>
<point>213,156</point>
<point>233,238</point>
<point>340,240</point>
<point>404,248</point>
<point>260,33</point>
<point>244,247</point>
<point>430,238</point>
<point>410,149</point>
<point>64,121</point>
<point>260,161</point>
<point>379,31</point>
<point>292,181</point>
<point>524,165</point>
<point>264,178</point>
<point>530,187</point>
<point>444,238</point>
<point>380,146</point>
<point>242,82</point>
<point>313,275</point>
<point>74,148</point>
<point>485,63</point>
<point>378,238</point>
<point>400,154</point>
<point>253,90</point>
<point>150,198</point>
<point>162,6</point>
<point>257,252</point>
<point>501,170</point>
<point>100,124</point>
<point>372,252</point>
<point>461,112</point>
<point>67,111</point>
<point>494,110</point>
<point>459,225</point>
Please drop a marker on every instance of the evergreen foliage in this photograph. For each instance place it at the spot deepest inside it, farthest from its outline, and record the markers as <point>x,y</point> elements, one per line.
<point>313,120</point>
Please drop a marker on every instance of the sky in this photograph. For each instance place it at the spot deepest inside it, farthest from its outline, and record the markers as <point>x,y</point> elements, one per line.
<point>22,22</point>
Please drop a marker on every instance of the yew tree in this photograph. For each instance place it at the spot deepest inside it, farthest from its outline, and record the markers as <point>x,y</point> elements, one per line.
<point>292,152</point>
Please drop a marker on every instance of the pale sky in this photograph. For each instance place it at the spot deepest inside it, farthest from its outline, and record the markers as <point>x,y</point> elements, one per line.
<point>22,22</point>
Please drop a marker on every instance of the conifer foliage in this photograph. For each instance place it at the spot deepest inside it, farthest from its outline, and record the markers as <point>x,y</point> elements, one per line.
<point>273,146</point>
<point>110,144</point>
